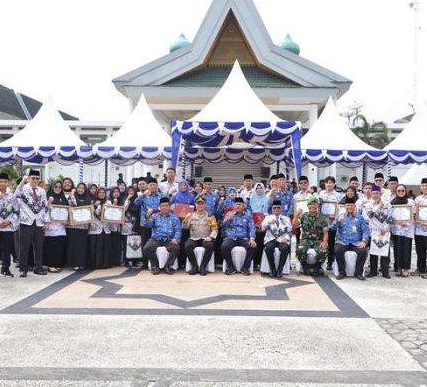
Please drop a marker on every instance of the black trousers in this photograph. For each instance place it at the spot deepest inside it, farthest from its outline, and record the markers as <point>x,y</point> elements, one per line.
<point>362,254</point>
<point>384,263</point>
<point>331,246</point>
<point>30,235</point>
<point>7,246</point>
<point>228,244</point>
<point>284,252</point>
<point>403,252</point>
<point>191,244</point>
<point>145,233</point>
<point>259,239</point>
<point>421,250</point>
<point>150,248</point>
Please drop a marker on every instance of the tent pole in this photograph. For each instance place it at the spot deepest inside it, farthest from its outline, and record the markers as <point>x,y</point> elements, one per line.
<point>106,173</point>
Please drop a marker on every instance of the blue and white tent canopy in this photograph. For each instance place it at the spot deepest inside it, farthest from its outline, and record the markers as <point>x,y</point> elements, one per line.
<point>141,138</point>
<point>45,138</point>
<point>236,126</point>
<point>330,140</point>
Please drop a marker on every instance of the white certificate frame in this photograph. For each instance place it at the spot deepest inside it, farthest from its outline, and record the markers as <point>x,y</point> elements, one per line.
<point>341,210</point>
<point>402,212</point>
<point>422,214</point>
<point>301,204</point>
<point>328,208</point>
<point>59,214</point>
<point>113,214</point>
<point>85,215</point>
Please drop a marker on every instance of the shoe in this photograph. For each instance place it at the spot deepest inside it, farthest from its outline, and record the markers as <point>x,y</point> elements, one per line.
<point>405,273</point>
<point>340,276</point>
<point>279,275</point>
<point>23,274</point>
<point>272,274</point>
<point>53,270</point>
<point>40,271</point>
<point>6,272</point>
<point>361,277</point>
<point>155,271</point>
<point>386,275</point>
<point>230,271</point>
<point>415,272</point>
<point>399,273</point>
<point>246,272</point>
<point>193,271</point>
<point>329,267</point>
<point>203,272</point>
<point>168,271</point>
<point>424,276</point>
<point>371,275</point>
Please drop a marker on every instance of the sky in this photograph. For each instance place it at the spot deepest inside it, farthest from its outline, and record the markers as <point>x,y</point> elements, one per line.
<point>71,50</point>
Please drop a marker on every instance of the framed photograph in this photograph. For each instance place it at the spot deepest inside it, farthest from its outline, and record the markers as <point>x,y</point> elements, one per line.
<point>422,213</point>
<point>182,210</point>
<point>301,204</point>
<point>341,210</point>
<point>401,212</point>
<point>59,214</point>
<point>81,215</point>
<point>113,214</point>
<point>328,208</point>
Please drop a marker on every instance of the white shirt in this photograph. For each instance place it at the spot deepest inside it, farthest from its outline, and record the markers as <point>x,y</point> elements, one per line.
<point>165,188</point>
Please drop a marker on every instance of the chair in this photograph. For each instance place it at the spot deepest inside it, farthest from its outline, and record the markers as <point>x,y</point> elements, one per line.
<point>199,251</point>
<point>350,258</point>
<point>265,267</point>
<point>238,255</point>
<point>162,256</point>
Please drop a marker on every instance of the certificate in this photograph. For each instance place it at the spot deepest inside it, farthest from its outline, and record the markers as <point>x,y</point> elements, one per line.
<point>401,212</point>
<point>181,210</point>
<point>328,208</point>
<point>58,214</point>
<point>341,210</point>
<point>113,214</point>
<point>81,215</point>
<point>422,213</point>
<point>301,204</point>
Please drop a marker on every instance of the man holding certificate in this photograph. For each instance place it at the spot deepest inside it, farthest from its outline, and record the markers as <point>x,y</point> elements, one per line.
<point>166,231</point>
<point>352,235</point>
<point>421,229</point>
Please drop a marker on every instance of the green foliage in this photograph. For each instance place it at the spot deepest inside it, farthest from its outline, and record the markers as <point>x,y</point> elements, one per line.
<point>13,172</point>
<point>376,134</point>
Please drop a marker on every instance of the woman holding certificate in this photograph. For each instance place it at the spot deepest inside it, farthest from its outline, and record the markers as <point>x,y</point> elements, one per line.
<point>116,199</point>
<point>403,229</point>
<point>77,238</point>
<point>54,254</point>
<point>421,229</point>
<point>99,235</point>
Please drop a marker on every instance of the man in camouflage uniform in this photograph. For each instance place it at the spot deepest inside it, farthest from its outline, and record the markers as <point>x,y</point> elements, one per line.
<point>314,235</point>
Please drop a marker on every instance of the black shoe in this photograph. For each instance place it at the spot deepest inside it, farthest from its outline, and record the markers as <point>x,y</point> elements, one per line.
<point>193,271</point>
<point>246,272</point>
<point>6,272</point>
<point>372,275</point>
<point>40,271</point>
<point>279,274</point>
<point>230,271</point>
<point>168,271</point>
<point>329,267</point>
<point>361,277</point>
<point>340,276</point>
<point>155,271</point>
<point>272,274</point>
<point>203,272</point>
<point>386,275</point>
<point>23,274</point>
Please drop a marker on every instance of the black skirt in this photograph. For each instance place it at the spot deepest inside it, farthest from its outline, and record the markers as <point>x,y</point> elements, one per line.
<point>77,242</point>
<point>100,251</point>
<point>54,251</point>
<point>116,248</point>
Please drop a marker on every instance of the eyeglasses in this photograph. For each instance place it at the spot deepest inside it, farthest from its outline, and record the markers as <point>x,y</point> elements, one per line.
<point>35,178</point>
<point>303,182</point>
<point>276,207</point>
<point>379,179</point>
<point>400,190</point>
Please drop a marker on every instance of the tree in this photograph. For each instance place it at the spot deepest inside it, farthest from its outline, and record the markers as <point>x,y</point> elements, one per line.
<point>12,171</point>
<point>376,134</point>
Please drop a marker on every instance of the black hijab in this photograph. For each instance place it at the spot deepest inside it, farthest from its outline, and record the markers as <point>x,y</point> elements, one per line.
<point>400,199</point>
<point>58,198</point>
<point>84,199</point>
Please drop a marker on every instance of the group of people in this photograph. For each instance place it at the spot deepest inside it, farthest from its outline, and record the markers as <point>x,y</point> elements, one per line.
<point>258,217</point>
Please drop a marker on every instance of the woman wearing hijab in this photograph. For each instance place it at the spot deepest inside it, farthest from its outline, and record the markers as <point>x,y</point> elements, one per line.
<point>99,235</point>
<point>131,219</point>
<point>77,236</point>
<point>350,193</point>
<point>54,253</point>
<point>404,233</point>
<point>116,199</point>
<point>93,189</point>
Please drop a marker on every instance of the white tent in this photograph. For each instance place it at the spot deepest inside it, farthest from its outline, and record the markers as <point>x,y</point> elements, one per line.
<point>140,130</point>
<point>413,137</point>
<point>330,132</point>
<point>414,174</point>
<point>236,102</point>
<point>46,129</point>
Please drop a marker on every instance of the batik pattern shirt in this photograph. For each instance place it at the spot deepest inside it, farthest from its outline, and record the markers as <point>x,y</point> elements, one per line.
<point>164,227</point>
<point>352,229</point>
<point>147,202</point>
<point>9,211</point>
<point>239,226</point>
<point>286,198</point>
<point>280,230</point>
<point>97,226</point>
<point>33,205</point>
<point>312,229</point>
<point>333,197</point>
<point>212,199</point>
<point>379,218</point>
<point>421,229</point>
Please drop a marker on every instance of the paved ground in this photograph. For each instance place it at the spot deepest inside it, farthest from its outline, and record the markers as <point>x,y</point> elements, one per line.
<point>128,328</point>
